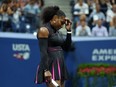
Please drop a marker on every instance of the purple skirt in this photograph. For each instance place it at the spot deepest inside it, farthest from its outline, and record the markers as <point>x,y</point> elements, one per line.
<point>57,67</point>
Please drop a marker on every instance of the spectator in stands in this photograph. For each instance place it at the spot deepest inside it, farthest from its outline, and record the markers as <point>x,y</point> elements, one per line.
<point>79,8</point>
<point>95,15</point>
<point>83,29</point>
<point>15,18</point>
<point>32,8</point>
<point>5,11</point>
<point>91,4</point>
<point>103,6</point>
<point>109,4</point>
<point>99,30</point>
<point>112,29</point>
<point>111,12</point>
<point>32,12</point>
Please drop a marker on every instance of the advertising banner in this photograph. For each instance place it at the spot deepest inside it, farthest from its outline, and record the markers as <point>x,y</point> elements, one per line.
<point>20,57</point>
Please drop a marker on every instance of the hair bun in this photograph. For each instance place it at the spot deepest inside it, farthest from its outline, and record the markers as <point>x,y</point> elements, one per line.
<point>56,8</point>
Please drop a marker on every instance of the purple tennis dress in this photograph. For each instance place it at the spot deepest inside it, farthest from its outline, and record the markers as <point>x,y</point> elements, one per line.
<point>52,56</point>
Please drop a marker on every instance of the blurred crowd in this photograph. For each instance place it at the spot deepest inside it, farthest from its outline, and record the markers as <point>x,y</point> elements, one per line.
<point>20,15</point>
<point>89,17</point>
<point>94,17</point>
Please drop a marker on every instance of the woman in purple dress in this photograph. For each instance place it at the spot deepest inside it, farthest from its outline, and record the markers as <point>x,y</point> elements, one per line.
<point>52,44</point>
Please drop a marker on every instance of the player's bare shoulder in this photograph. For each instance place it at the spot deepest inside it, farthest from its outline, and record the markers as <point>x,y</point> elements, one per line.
<point>43,32</point>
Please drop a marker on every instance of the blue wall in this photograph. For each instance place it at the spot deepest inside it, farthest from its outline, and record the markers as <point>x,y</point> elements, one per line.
<point>20,57</point>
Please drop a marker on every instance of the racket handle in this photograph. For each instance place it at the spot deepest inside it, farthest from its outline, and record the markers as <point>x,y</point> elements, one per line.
<point>55,83</point>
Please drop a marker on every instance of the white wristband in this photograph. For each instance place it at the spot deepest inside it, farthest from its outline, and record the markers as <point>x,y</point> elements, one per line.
<point>69,32</point>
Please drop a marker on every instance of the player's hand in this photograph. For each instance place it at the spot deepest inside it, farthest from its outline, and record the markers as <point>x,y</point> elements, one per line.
<point>48,76</point>
<point>68,24</point>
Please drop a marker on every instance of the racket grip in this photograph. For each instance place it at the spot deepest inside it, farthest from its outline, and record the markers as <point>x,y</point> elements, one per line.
<point>55,83</point>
